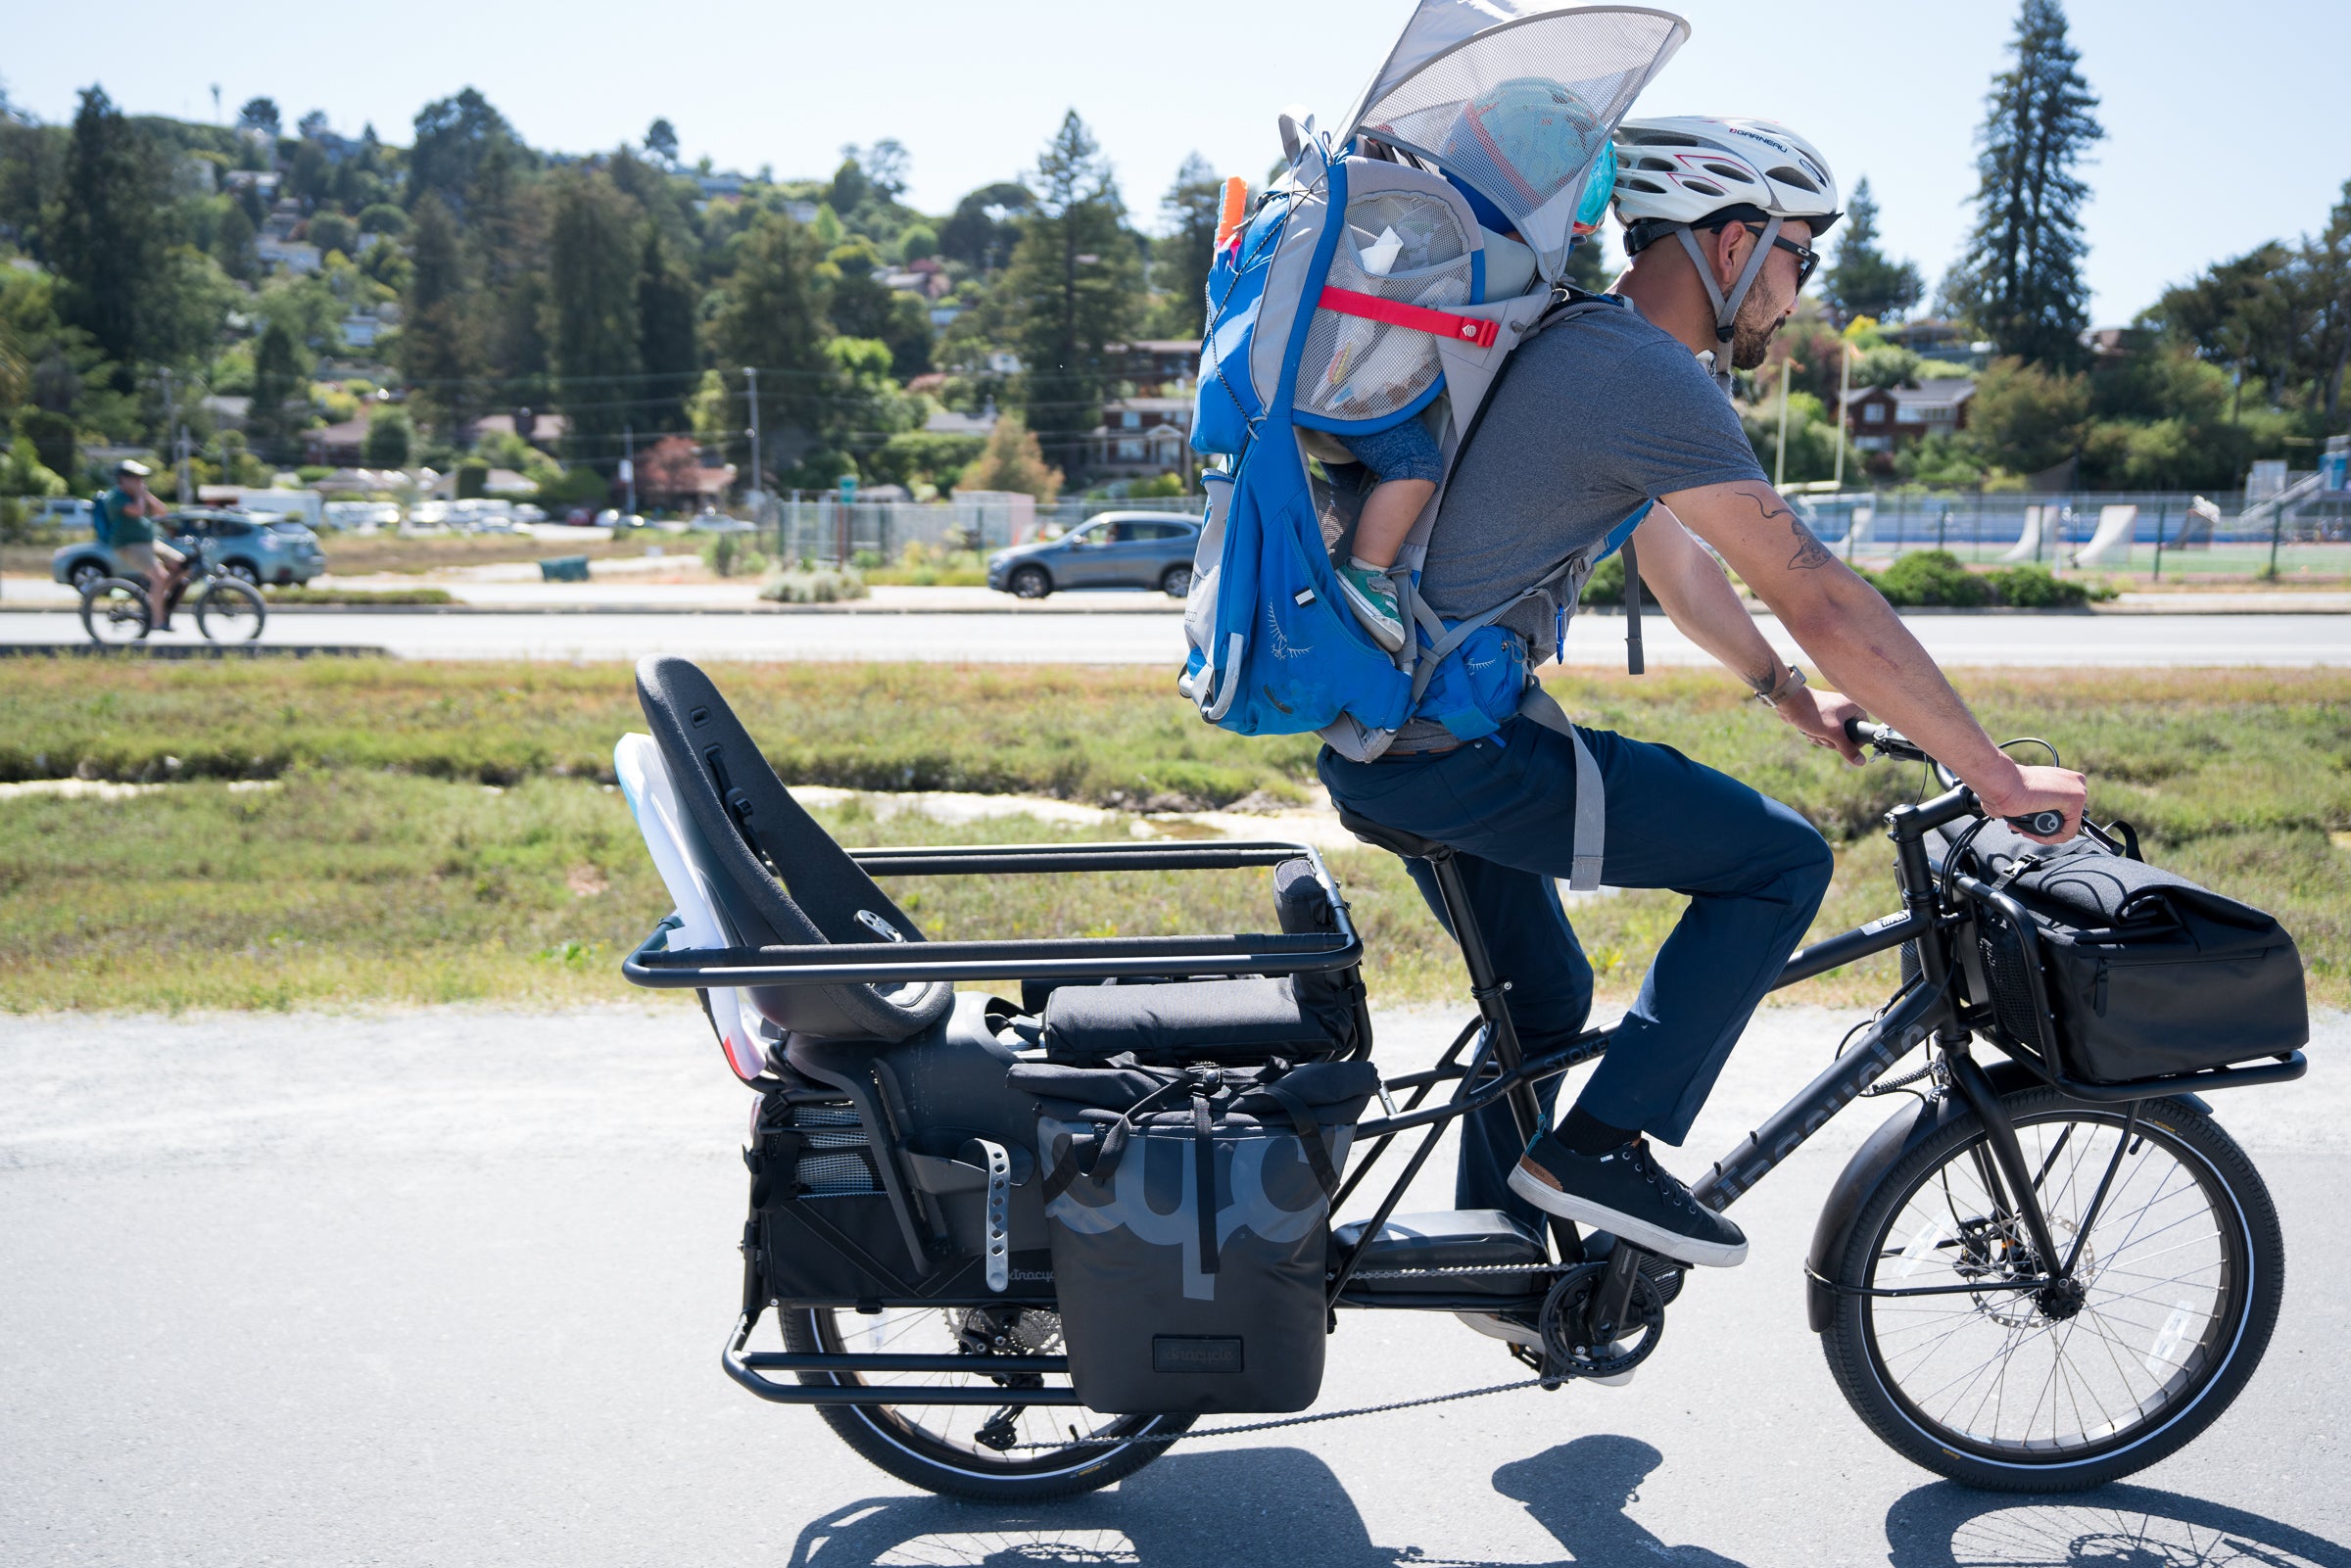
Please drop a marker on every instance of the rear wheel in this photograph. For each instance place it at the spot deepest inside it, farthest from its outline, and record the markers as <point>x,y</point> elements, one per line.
<point>115,610</point>
<point>230,610</point>
<point>992,1454</point>
<point>1175,581</point>
<point>2063,1387</point>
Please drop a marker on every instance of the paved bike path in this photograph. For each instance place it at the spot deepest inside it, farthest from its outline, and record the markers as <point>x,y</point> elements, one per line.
<point>448,1287</point>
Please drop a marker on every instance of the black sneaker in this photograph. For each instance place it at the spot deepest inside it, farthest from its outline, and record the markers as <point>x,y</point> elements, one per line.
<point>1626,1192</point>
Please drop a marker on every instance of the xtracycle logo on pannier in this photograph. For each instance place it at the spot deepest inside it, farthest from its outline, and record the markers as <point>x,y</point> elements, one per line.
<point>1177,1352</point>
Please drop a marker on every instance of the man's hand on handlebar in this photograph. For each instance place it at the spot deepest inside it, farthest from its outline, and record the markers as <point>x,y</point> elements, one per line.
<point>1822,717</point>
<point>2036,789</point>
<point>2029,799</point>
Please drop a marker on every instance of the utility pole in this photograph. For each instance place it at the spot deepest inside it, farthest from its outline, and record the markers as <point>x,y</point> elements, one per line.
<point>750,378</point>
<point>1779,464</point>
<point>1845,388</point>
<point>628,463</point>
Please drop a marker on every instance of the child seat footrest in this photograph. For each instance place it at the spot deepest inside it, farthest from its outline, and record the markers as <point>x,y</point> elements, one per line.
<point>1464,1239</point>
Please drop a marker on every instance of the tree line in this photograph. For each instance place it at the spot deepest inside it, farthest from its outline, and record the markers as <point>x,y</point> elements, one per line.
<point>2244,360</point>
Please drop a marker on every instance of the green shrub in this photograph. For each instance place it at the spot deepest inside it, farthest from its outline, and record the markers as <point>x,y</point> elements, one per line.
<point>825,585</point>
<point>2036,588</point>
<point>1606,585</point>
<point>1933,577</point>
<point>729,554</point>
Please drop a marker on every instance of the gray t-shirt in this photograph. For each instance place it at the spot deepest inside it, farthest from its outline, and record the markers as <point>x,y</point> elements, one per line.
<point>1595,415</point>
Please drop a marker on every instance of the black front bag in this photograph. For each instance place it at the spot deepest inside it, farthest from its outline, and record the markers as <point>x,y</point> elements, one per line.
<point>2146,973</point>
<point>1170,1303</point>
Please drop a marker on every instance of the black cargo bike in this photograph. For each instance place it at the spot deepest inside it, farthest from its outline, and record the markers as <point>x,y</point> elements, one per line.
<point>979,1222</point>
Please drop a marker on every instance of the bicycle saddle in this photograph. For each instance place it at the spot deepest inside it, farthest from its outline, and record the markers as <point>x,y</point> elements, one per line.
<point>1411,846</point>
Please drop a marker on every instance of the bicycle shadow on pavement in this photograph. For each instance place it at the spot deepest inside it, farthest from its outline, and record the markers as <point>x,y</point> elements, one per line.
<point>2120,1526</point>
<point>1213,1510</point>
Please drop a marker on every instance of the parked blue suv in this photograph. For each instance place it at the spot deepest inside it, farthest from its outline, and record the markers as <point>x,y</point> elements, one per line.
<point>257,548</point>
<point>1114,550</point>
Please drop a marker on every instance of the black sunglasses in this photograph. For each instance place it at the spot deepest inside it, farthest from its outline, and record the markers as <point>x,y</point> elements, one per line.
<point>1807,257</point>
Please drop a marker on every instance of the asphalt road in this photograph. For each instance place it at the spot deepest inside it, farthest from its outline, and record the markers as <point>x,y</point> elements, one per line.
<point>1156,637</point>
<point>447,1288</point>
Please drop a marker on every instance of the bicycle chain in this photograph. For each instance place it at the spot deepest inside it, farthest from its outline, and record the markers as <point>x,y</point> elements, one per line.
<point>1286,1421</point>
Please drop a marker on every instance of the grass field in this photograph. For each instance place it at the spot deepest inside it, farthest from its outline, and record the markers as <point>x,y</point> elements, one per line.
<point>447,833</point>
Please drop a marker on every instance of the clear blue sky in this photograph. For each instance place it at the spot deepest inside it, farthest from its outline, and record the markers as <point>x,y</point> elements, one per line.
<point>2225,125</point>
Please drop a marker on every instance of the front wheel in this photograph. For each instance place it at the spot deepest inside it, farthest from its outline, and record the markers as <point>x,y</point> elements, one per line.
<point>2057,1388</point>
<point>1030,582</point>
<point>1008,1452</point>
<point>115,610</point>
<point>230,610</point>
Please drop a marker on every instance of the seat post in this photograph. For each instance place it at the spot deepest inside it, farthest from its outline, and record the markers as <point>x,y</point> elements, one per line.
<point>1486,986</point>
<point>1490,992</point>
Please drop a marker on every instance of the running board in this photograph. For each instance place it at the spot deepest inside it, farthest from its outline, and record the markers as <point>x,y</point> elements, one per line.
<point>746,1367</point>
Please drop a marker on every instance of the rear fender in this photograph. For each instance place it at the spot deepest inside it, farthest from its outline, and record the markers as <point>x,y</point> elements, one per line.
<point>1884,1149</point>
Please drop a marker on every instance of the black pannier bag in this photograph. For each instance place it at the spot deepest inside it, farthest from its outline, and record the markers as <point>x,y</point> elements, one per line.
<point>1188,1211</point>
<point>2146,973</point>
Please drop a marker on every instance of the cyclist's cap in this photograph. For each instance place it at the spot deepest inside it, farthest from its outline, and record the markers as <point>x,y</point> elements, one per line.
<point>132,466</point>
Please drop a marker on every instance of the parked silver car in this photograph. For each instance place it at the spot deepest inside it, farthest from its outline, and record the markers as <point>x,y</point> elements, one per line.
<point>258,547</point>
<point>1114,550</point>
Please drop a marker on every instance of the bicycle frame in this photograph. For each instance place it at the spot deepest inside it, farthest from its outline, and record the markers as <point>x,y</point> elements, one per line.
<point>1925,1012</point>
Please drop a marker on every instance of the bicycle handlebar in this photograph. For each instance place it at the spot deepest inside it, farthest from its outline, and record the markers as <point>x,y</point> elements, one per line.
<point>1888,741</point>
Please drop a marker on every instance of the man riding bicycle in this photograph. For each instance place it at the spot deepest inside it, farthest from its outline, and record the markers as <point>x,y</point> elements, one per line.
<point>130,509</point>
<point>1597,416</point>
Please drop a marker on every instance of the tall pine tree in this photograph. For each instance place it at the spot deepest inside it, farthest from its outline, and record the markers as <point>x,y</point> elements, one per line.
<point>107,241</point>
<point>592,314</point>
<point>666,301</point>
<point>773,320</point>
<point>2021,279</point>
<point>437,352</point>
<point>1865,280</point>
<point>1189,209</point>
<point>1074,284</point>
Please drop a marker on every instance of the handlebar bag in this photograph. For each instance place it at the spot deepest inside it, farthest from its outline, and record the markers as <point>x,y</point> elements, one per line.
<point>2146,973</point>
<point>1188,1211</point>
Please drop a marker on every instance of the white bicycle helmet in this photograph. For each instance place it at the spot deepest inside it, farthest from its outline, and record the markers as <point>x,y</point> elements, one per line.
<point>1680,173</point>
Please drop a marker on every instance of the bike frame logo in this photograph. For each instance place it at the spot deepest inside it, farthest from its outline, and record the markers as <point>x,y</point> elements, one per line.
<point>1154,1192</point>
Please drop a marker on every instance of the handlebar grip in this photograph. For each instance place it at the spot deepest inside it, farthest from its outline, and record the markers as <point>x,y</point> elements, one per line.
<point>2040,823</point>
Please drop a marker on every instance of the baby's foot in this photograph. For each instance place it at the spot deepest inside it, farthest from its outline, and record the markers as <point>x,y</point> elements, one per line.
<point>1373,597</point>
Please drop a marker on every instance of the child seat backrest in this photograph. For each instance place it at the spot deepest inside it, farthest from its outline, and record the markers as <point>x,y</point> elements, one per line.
<point>779,879</point>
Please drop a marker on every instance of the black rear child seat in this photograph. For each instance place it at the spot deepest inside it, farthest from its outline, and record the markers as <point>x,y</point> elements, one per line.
<point>782,881</point>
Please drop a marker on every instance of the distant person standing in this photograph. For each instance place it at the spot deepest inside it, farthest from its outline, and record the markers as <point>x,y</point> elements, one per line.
<point>128,513</point>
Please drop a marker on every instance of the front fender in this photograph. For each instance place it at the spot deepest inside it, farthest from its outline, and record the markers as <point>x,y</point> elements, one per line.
<point>1896,1137</point>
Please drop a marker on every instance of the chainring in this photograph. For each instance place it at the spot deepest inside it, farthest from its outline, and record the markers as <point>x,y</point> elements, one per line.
<point>1566,1353</point>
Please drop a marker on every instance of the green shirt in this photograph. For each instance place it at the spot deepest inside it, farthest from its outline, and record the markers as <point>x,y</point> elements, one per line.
<point>129,527</point>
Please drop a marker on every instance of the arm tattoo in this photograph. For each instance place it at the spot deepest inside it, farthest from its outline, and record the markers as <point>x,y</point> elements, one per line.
<point>1811,552</point>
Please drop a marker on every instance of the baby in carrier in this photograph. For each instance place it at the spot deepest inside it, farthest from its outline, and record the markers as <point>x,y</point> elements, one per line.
<point>1525,133</point>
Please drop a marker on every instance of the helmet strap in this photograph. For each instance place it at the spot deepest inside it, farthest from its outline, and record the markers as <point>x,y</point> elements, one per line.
<point>1726,307</point>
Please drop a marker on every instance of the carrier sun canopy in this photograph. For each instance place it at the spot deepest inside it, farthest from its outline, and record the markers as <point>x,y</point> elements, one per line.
<point>1517,99</point>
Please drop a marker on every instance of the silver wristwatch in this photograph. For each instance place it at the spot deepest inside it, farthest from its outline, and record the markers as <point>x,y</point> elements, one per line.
<point>1787,682</point>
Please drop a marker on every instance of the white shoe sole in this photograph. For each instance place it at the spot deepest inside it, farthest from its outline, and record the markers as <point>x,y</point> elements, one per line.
<point>1664,1243</point>
<point>1495,1326</point>
<point>1388,632</point>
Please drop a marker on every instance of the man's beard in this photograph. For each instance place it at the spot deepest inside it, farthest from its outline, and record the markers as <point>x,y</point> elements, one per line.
<point>1751,333</point>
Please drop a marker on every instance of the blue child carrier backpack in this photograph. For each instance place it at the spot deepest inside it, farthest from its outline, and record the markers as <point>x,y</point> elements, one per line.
<point>1364,291</point>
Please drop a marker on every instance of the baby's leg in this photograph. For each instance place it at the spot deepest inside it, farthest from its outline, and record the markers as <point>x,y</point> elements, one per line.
<point>1388,515</point>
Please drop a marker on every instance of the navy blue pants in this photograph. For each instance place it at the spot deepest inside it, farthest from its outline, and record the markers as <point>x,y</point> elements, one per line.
<point>1753,869</point>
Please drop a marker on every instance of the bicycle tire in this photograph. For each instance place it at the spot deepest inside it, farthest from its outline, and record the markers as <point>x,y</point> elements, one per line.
<point>2245,1284</point>
<point>115,612</point>
<point>896,1442</point>
<point>235,606</point>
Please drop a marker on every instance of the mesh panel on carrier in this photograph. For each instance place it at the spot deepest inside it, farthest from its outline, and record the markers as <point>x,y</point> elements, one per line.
<point>1398,246</point>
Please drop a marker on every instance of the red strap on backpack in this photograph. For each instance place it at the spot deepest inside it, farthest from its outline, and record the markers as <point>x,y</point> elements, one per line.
<point>1397,314</point>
